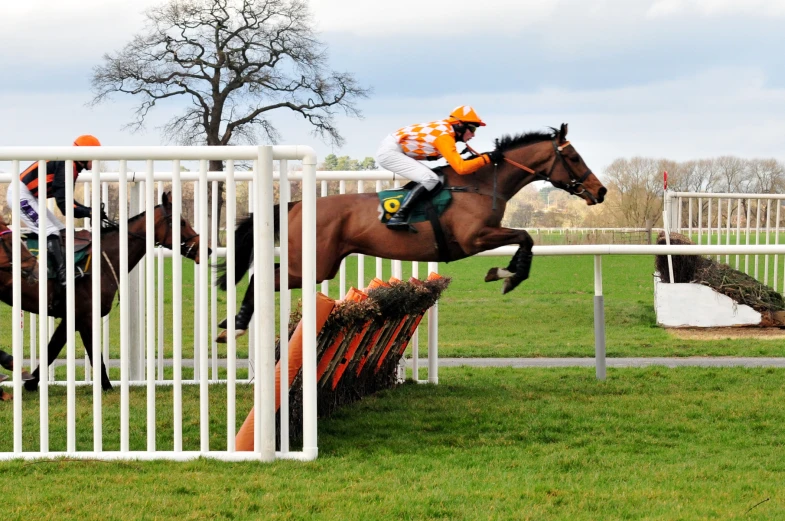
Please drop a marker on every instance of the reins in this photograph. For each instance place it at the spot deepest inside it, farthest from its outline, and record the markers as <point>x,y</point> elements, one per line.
<point>575,186</point>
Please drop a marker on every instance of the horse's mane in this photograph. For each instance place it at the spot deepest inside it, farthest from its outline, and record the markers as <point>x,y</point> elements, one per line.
<point>508,142</point>
<point>115,227</point>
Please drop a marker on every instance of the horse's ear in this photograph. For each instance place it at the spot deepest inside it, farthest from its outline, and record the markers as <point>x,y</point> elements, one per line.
<point>563,132</point>
<point>166,198</point>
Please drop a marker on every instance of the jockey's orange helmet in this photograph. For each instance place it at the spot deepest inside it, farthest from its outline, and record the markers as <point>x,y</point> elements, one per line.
<point>87,140</point>
<point>466,114</point>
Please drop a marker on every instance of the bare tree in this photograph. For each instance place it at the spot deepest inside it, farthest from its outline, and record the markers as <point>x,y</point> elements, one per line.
<point>234,62</point>
<point>638,185</point>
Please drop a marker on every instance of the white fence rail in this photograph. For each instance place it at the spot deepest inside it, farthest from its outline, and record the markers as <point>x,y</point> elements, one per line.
<point>731,218</point>
<point>263,345</point>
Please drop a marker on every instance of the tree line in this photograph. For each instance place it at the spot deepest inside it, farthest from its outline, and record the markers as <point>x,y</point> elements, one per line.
<point>636,191</point>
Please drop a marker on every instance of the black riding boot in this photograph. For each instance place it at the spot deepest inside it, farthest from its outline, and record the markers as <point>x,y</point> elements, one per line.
<point>400,221</point>
<point>56,250</point>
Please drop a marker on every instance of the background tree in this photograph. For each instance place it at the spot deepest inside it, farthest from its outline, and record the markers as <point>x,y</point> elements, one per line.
<point>233,63</point>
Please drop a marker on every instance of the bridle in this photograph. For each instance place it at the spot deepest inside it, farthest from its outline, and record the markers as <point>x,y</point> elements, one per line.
<point>574,187</point>
<point>9,252</point>
<point>185,248</point>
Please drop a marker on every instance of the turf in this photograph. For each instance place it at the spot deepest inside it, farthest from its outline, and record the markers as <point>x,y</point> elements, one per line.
<point>543,444</point>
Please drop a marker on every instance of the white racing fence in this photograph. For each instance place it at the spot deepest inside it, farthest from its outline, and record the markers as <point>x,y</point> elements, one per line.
<point>731,219</point>
<point>363,182</point>
<point>263,344</point>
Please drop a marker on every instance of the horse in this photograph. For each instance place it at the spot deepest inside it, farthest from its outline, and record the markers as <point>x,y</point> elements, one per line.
<point>29,269</point>
<point>109,257</point>
<point>349,224</point>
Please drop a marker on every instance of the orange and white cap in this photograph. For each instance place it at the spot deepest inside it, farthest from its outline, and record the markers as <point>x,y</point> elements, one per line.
<point>466,114</point>
<point>87,140</point>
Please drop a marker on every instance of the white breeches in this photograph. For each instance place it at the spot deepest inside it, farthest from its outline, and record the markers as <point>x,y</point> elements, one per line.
<point>29,214</point>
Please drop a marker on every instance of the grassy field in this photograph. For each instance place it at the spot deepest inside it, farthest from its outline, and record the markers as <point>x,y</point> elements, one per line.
<point>652,443</point>
<point>549,315</point>
<point>655,443</point>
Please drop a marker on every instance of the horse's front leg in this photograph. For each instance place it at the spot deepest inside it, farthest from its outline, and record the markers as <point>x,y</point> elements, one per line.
<point>56,343</point>
<point>7,362</point>
<point>87,339</point>
<point>520,264</point>
<point>243,317</point>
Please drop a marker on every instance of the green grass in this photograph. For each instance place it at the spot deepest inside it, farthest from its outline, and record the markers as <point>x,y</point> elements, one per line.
<point>544,444</point>
<point>549,315</point>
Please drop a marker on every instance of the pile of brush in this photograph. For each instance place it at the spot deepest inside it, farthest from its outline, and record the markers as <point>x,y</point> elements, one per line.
<point>361,344</point>
<point>722,278</point>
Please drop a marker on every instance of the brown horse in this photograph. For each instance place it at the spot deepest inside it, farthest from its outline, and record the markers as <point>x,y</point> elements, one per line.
<point>110,263</point>
<point>29,268</point>
<point>348,224</point>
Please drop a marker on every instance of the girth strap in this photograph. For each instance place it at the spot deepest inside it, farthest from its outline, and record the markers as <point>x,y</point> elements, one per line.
<point>441,241</point>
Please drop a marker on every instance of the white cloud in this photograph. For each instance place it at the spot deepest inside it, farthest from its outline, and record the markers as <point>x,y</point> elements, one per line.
<point>760,8</point>
<point>431,17</point>
<point>35,31</point>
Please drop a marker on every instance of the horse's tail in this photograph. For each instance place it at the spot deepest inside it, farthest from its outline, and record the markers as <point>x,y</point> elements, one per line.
<point>243,249</point>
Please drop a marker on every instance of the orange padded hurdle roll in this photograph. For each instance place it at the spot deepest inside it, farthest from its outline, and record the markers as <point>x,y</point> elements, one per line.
<point>324,306</point>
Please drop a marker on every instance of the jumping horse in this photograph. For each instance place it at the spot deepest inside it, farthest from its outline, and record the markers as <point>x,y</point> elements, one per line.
<point>349,224</point>
<point>29,270</point>
<point>109,256</point>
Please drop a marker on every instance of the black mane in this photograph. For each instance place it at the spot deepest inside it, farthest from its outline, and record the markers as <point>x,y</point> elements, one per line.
<point>508,142</point>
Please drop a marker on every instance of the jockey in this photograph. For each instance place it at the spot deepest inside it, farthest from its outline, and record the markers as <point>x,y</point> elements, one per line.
<point>400,152</point>
<point>55,187</point>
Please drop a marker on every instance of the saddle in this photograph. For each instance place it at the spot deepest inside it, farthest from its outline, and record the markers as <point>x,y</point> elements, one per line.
<point>426,209</point>
<point>82,253</point>
<point>390,201</point>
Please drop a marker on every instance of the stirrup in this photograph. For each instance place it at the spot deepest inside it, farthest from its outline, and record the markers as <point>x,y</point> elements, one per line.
<point>402,227</point>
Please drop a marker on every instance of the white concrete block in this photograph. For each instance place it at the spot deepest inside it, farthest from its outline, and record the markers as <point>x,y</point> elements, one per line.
<point>696,305</point>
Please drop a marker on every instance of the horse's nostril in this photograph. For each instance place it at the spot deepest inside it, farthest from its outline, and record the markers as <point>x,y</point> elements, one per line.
<point>601,194</point>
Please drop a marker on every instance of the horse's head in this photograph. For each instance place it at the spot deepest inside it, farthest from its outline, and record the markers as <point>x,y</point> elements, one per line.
<point>559,163</point>
<point>189,239</point>
<point>29,265</point>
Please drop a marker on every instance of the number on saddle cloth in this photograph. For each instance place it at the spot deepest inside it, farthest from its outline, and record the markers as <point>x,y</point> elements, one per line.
<point>390,201</point>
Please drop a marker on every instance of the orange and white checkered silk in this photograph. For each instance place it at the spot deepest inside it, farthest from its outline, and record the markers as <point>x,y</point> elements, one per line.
<point>435,140</point>
<point>419,141</point>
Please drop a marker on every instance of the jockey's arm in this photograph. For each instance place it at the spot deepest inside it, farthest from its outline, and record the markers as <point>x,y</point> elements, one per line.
<point>58,192</point>
<point>445,144</point>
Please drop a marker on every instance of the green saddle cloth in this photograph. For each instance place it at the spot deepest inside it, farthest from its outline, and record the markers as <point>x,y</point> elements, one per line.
<point>81,258</point>
<point>390,201</point>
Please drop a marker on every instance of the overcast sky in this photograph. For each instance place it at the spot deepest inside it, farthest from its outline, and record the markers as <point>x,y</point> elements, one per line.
<point>678,79</point>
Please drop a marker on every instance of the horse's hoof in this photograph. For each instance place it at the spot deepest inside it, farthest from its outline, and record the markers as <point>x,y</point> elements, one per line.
<point>492,275</point>
<point>222,325</point>
<point>221,339</point>
<point>510,284</point>
<point>26,376</point>
<point>3,377</point>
